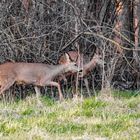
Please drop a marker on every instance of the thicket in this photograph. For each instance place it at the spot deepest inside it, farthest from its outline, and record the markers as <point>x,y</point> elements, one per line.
<point>41,30</point>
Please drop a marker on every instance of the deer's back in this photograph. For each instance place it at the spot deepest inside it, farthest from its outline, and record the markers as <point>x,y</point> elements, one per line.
<point>24,72</point>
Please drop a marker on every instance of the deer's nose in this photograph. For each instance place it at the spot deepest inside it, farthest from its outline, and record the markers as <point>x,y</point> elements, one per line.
<point>80,70</point>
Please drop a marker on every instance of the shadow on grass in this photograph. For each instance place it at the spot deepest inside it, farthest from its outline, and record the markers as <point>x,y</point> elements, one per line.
<point>125,93</point>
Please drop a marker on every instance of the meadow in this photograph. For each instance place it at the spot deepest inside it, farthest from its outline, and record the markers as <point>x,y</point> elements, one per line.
<point>114,117</point>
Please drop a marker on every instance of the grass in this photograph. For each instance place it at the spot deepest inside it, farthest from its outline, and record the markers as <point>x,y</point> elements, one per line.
<point>115,118</point>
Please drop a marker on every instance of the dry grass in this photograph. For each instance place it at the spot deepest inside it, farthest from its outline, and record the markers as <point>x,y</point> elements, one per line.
<point>116,118</point>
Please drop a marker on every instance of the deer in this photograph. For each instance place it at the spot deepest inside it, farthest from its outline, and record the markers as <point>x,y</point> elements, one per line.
<point>37,74</point>
<point>83,63</point>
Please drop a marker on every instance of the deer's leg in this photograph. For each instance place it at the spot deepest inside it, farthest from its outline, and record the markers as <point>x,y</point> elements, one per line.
<point>6,85</point>
<point>38,93</point>
<point>87,86</point>
<point>37,90</point>
<point>62,77</point>
<point>75,85</point>
<point>59,89</point>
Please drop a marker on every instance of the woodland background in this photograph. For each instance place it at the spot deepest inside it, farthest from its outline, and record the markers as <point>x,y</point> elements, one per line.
<point>41,30</point>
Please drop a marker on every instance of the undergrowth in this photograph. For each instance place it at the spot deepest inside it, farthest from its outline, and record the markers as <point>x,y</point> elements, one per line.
<point>115,118</point>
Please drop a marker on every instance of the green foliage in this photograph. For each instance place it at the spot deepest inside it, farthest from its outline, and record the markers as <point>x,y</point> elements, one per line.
<point>125,94</point>
<point>93,103</point>
<point>27,111</point>
<point>89,105</point>
<point>47,101</point>
<point>65,128</point>
<point>9,127</point>
<point>114,118</point>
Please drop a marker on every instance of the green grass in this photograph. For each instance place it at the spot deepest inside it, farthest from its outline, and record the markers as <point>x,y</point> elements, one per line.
<point>116,118</point>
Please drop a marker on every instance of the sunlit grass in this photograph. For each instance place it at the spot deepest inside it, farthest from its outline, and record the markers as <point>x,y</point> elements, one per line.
<point>116,117</point>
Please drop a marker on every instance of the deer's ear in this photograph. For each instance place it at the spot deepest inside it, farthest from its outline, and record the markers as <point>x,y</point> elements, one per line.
<point>67,57</point>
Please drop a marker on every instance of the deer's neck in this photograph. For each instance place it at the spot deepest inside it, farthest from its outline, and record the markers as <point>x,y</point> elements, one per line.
<point>89,66</point>
<point>57,70</point>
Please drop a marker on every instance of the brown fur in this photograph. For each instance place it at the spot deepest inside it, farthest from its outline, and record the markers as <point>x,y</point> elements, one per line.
<point>37,74</point>
<point>83,63</point>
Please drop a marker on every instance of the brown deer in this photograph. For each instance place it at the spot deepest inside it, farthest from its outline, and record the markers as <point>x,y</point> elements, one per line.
<point>83,63</point>
<point>37,74</point>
